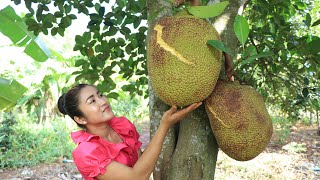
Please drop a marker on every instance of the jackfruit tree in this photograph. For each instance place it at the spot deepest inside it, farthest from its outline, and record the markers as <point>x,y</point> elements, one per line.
<point>278,59</point>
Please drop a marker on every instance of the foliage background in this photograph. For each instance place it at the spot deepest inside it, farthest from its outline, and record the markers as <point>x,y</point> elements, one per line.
<point>89,43</point>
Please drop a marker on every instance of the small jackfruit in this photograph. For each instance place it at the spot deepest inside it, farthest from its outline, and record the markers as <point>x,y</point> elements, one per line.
<point>182,67</point>
<point>239,120</point>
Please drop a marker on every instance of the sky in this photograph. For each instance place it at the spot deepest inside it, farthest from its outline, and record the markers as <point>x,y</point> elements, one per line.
<point>13,58</point>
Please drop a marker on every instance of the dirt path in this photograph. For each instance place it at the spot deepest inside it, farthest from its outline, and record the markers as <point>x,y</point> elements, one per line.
<point>274,163</point>
<point>279,160</point>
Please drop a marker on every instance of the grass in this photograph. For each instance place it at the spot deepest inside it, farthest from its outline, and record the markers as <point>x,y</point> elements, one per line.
<point>32,143</point>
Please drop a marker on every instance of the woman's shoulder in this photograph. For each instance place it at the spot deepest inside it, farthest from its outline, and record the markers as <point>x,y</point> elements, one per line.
<point>126,129</point>
<point>88,148</point>
<point>91,159</point>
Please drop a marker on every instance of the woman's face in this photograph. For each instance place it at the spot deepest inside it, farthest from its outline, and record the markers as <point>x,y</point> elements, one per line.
<point>94,105</point>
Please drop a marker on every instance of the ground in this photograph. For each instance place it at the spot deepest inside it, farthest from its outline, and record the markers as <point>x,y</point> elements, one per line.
<point>289,156</point>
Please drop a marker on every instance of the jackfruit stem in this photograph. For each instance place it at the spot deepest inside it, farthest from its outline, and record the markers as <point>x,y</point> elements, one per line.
<point>216,117</point>
<point>167,47</point>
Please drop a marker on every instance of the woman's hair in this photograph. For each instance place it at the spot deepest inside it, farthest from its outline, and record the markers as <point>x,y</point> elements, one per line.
<point>68,103</point>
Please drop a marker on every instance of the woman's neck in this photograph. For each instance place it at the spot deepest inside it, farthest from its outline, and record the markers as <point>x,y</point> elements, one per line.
<point>105,131</point>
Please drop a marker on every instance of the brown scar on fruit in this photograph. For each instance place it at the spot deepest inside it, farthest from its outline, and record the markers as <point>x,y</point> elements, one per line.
<point>216,116</point>
<point>233,101</point>
<point>158,28</point>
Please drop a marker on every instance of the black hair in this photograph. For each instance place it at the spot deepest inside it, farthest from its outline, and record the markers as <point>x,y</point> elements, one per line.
<point>68,103</point>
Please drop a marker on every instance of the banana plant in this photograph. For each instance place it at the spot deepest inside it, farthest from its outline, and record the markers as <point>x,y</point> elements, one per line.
<point>14,28</point>
<point>10,93</point>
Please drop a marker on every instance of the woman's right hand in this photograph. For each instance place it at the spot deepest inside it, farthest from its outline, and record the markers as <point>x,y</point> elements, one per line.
<point>172,116</point>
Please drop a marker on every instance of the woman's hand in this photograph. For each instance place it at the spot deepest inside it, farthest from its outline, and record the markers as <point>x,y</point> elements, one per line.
<point>172,116</point>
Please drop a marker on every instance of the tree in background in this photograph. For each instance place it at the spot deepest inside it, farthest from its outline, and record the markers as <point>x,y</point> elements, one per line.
<point>115,43</point>
<point>290,78</point>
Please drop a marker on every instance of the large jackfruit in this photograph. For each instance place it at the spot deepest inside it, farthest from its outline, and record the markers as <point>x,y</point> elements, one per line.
<point>239,120</point>
<point>182,67</point>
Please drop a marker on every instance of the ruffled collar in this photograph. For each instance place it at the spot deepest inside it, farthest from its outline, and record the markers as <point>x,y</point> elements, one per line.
<point>118,124</point>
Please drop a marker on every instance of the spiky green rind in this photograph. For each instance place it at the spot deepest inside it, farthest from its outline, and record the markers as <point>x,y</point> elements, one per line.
<point>241,123</point>
<point>174,81</point>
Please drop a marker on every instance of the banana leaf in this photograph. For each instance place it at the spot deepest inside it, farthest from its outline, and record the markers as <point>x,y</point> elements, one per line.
<point>10,93</point>
<point>14,28</point>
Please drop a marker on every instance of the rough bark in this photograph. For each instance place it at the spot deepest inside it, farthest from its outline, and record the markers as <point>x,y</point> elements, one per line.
<point>156,10</point>
<point>196,151</point>
<point>190,150</point>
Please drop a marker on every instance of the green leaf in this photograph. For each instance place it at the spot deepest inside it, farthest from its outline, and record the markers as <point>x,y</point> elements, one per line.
<point>257,56</point>
<point>10,93</point>
<point>313,46</point>
<point>301,5</point>
<point>13,27</point>
<point>113,95</point>
<point>250,50</point>
<point>306,81</point>
<point>36,51</point>
<point>61,31</point>
<point>94,16</point>
<point>72,16</point>
<point>67,8</point>
<point>58,14</point>
<point>316,23</point>
<point>86,37</point>
<point>221,46</point>
<point>80,62</point>
<point>308,20</point>
<point>102,11</point>
<point>305,92</point>
<point>54,31</point>
<point>112,31</point>
<point>208,11</point>
<point>65,22</point>
<point>241,28</point>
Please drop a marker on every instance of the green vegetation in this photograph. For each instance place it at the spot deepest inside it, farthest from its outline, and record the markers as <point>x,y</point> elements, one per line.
<point>282,128</point>
<point>31,143</point>
<point>294,147</point>
<point>280,58</point>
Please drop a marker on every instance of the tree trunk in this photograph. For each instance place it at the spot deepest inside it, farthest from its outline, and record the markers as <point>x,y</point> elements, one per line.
<point>190,149</point>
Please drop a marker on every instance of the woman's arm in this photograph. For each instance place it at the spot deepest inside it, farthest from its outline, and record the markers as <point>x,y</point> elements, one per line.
<point>139,153</point>
<point>145,164</point>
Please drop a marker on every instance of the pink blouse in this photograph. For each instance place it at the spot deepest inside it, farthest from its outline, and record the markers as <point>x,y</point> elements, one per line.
<point>93,153</point>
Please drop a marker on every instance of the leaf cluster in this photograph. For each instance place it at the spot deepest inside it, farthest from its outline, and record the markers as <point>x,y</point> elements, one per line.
<point>289,73</point>
<point>278,45</point>
<point>114,42</point>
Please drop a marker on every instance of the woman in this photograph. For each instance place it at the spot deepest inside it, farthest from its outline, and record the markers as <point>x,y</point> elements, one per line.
<point>108,146</point>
